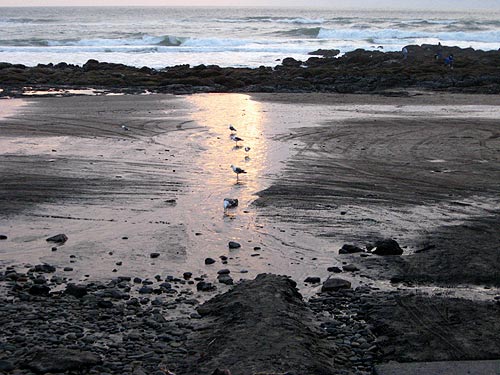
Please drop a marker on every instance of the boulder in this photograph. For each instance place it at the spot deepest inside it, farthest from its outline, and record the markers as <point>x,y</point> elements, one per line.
<point>325,52</point>
<point>77,291</point>
<point>350,249</point>
<point>387,246</point>
<point>332,285</point>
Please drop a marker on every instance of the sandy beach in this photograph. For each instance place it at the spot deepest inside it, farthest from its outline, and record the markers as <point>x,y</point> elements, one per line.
<point>128,176</point>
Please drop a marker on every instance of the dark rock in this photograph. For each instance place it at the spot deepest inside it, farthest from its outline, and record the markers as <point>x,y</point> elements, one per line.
<point>209,261</point>
<point>105,304</point>
<point>58,238</point>
<point>332,285</point>
<point>224,271</point>
<point>234,245</point>
<point>146,290</point>
<point>350,249</point>
<point>334,269</point>
<point>204,286</point>
<point>387,246</point>
<point>67,269</point>
<point>61,360</point>
<point>187,275</point>
<point>154,255</point>
<point>350,268</point>
<point>225,279</point>
<point>39,290</point>
<point>77,291</point>
<point>44,268</point>
<point>3,237</point>
<point>312,280</point>
<point>325,52</point>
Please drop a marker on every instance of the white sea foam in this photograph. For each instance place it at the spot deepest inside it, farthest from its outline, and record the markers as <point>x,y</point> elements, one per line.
<point>225,36</point>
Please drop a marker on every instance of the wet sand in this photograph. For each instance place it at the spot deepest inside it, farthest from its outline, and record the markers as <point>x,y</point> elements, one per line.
<point>128,176</point>
<point>323,170</point>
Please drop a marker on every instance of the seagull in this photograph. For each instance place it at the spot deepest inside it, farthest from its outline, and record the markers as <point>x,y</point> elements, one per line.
<point>237,170</point>
<point>230,203</point>
<point>124,127</point>
<point>232,128</point>
<point>236,139</point>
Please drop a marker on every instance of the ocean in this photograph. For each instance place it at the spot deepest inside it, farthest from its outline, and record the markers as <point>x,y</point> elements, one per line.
<point>238,37</point>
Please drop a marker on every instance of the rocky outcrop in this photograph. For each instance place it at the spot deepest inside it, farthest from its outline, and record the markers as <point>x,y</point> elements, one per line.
<point>359,71</point>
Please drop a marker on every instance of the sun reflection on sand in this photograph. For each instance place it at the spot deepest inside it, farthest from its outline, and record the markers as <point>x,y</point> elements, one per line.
<point>216,113</point>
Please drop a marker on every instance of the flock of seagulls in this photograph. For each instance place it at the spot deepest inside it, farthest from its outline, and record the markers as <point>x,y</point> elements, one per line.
<point>230,202</point>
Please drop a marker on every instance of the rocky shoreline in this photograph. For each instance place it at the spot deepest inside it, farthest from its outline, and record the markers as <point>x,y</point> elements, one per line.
<point>359,71</point>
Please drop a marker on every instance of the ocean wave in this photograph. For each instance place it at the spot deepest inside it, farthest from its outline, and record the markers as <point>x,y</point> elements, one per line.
<point>309,32</point>
<point>298,20</point>
<point>27,20</point>
<point>398,35</point>
<point>139,40</point>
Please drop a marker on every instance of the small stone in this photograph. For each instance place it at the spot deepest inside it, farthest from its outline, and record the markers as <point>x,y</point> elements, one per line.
<point>225,279</point>
<point>77,291</point>
<point>224,271</point>
<point>154,255</point>
<point>59,238</point>
<point>44,268</point>
<point>146,290</point>
<point>119,263</point>
<point>204,286</point>
<point>234,245</point>
<point>334,269</point>
<point>332,285</point>
<point>137,280</point>
<point>39,290</point>
<point>3,237</point>
<point>350,268</point>
<point>350,249</point>
<point>256,248</point>
<point>209,261</point>
<point>104,304</point>
<point>124,238</point>
<point>312,280</point>
<point>68,269</point>
<point>187,275</point>
<point>54,249</point>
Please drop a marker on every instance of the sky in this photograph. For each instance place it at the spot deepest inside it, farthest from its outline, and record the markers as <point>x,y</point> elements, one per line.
<point>378,4</point>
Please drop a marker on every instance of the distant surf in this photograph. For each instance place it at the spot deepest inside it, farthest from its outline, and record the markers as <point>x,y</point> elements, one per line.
<point>246,37</point>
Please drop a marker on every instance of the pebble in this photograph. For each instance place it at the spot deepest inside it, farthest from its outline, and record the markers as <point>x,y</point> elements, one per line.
<point>154,255</point>
<point>209,261</point>
<point>234,245</point>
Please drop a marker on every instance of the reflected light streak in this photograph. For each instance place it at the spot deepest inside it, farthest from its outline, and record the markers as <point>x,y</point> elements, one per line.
<point>216,112</point>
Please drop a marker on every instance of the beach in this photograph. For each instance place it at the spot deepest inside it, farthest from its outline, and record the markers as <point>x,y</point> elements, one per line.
<point>137,183</point>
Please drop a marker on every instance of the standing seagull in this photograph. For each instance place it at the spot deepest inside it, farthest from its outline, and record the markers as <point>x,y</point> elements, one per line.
<point>237,170</point>
<point>236,139</point>
<point>232,128</point>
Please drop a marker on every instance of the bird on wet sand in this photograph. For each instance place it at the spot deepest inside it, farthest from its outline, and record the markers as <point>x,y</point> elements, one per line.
<point>236,139</point>
<point>230,203</point>
<point>124,127</point>
<point>237,170</point>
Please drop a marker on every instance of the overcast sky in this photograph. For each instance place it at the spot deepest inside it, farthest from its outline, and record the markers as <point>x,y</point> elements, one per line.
<point>381,4</point>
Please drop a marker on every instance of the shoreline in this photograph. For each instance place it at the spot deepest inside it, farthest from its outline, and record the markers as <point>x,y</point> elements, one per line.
<point>107,173</point>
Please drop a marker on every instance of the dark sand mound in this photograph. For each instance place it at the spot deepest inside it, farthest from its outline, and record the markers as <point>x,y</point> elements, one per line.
<point>260,326</point>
